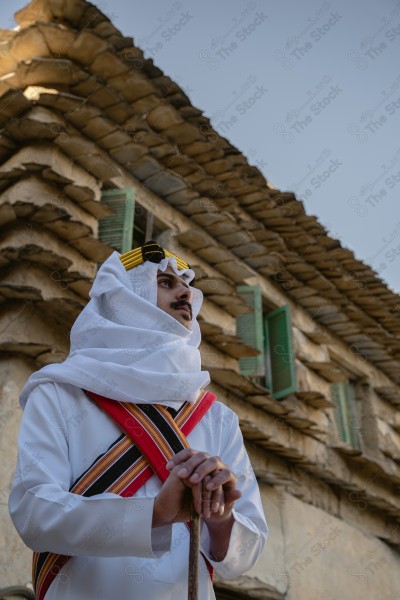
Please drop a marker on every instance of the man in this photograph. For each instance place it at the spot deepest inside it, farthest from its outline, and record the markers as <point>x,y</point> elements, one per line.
<point>134,352</point>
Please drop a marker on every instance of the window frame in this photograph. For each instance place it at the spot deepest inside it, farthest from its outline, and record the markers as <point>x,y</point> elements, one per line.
<point>343,396</point>
<point>108,197</point>
<point>263,373</point>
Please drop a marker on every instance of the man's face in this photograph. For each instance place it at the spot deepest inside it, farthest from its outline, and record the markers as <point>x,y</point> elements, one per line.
<point>173,296</point>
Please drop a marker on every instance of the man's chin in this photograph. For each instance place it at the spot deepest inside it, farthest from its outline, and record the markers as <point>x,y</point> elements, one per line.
<point>186,320</point>
<point>185,314</point>
<point>183,318</point>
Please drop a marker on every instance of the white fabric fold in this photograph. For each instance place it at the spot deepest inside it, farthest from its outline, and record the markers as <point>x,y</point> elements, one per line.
<point>115,553</point>
<point>126,348</point>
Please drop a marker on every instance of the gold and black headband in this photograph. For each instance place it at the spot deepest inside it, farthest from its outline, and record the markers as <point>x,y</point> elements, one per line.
<point>152,252</point>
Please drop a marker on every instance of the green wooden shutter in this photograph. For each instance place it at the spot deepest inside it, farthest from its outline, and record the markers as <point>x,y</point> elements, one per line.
<point>280,353</point>
<point>249,327</point>
<point>117,230</point>
<point>345,413</point>
<point>353,419</point>
<point>339,411</point>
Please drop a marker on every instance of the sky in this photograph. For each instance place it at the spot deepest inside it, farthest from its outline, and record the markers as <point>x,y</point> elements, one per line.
<point>308,91</point>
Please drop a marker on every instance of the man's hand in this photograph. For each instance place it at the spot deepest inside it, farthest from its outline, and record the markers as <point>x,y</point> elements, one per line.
<point>197,475</point>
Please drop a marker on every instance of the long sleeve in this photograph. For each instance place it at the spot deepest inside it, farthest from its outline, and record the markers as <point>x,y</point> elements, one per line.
<point>250,529</point>
<point>50,518</point>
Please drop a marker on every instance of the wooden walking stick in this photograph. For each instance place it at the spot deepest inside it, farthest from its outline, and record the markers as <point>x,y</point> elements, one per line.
<point>194,554</point>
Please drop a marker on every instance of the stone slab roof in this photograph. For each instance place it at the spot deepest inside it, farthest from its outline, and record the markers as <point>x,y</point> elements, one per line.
<point>71,83</point>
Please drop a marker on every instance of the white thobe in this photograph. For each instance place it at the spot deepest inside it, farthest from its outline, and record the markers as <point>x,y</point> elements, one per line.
<point>116,554</point>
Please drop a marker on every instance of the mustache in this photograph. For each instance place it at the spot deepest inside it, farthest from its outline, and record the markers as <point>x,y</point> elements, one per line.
<point>180,303</point>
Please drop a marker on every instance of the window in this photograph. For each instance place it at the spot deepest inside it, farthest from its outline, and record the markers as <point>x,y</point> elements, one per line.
<point>270,333</point>
<point>345,413</point>
<point>117,230</point>
<point>131,225</point>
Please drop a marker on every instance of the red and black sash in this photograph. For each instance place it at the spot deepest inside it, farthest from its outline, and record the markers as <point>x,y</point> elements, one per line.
<point>152,435</point>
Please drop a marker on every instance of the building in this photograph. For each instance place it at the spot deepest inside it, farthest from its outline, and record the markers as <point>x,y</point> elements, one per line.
<point>96,139</point>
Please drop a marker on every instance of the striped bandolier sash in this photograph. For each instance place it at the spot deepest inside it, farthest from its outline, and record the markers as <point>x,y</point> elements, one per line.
<point>151,437</point>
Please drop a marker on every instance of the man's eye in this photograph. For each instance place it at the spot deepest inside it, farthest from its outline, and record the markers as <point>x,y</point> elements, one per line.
<point>167,281</point>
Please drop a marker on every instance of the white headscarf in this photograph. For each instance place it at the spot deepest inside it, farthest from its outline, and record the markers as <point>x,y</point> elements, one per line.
<point>126,348</point>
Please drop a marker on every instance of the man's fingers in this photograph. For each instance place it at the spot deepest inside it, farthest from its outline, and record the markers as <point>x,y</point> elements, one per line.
<point>213,483</point>
<point>223,477</point>
<point>196,476</point>
<point>205,500</point>
<point>217,500</point>
<point>201,466</point>
<point>198,466</point>
<point>180,457</point>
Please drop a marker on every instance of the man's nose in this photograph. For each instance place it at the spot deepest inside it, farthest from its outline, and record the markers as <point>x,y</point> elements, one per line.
<point>184,293</point>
